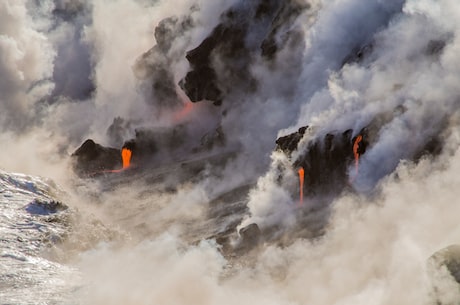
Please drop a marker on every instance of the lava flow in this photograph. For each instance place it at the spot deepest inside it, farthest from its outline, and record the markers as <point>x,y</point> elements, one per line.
<point>126,157</point>
<point>183,113</point>
<point>126,160</point>
<point>301,180</point>
<point>358,140</point>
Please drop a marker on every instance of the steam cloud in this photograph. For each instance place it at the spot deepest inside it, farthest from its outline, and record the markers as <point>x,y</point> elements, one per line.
<point>70,70</point>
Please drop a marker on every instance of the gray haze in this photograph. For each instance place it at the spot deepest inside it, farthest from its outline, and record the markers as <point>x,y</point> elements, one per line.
<point>67,72</point>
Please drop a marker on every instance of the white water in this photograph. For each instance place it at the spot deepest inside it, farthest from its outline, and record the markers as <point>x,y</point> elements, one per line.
<point>27,231</point>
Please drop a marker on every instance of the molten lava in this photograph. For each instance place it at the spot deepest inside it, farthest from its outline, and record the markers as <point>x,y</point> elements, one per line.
<point>126,157</point>
<point>183,113</point>
<point>301,181</point>
<point>358,140</point>
<point>126,154</point>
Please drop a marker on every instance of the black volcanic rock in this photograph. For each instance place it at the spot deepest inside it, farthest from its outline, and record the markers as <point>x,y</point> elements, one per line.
<point>325,160</point>
<point>444,271</point>
<point>289,143</point>
<point>251,236</point>
<point>155,65</point>
<point>250,233</point>
<point>280,30</point>
<point>358,54</point>
<point>450,258</point>
<point>91,158</point>
<point>149,143</point>
<point>201,83</point>
<point>222,61</point>
<point>149,146</point>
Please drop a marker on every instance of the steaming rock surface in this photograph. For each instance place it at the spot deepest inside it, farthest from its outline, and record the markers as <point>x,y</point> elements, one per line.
<point>220,64</point>
<point>449,258</point>
<point>444,269</point>
<point>325,160</point>
<point>91,158</point>
<point>207,197</point>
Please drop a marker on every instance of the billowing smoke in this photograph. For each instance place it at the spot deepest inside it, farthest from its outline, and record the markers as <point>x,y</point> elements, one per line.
<point>200,91</point>
<point>399,82</point>
<point>26,66</point>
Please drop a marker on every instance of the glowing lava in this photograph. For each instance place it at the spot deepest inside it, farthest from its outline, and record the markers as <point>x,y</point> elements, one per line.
<point>183,113</point>
<point>126,157</point>
<point>358,140</point>
<point>301,180</point>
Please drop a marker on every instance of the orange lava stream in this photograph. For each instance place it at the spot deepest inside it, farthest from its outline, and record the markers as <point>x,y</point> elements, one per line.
<point>183,113</point>
<point>355,151</point>
<point>301,181</point>
<point>126,157</point>
<point>126,154</point>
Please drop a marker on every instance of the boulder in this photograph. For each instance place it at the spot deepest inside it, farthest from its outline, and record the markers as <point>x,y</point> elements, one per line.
<point>250,236</point>
<point>449,258</point>
<point>91,158</point>
<point>444,272</point>
<point>289,143</point>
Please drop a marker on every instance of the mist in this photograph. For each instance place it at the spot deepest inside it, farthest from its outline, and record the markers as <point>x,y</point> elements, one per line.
<point>74,70</point>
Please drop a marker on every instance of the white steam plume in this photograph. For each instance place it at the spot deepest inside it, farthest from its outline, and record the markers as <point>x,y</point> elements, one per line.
<point>375,250</point>
<point>54,53</point>
<point>377,243</point>
<point>25,65</point>
<point>402,77</point>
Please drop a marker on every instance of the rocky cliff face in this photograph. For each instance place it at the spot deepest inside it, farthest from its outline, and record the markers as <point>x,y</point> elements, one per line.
<point>331,162</point>
<point>246,31</point>
<point>221,63</point>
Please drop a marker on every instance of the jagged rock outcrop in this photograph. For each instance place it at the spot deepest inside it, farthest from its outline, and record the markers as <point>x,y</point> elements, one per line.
<point>221,62</point>
<point>325,160</point>
<point>220,66</point>
<point>148,143</point>
<point>91,158</point>
<point>250,235</point>
<point>444,271</point>
<point>148,146</point>
<point>289,143</point>
<point>155,64</point>
<point>281,28</point>
<point>448,257</point>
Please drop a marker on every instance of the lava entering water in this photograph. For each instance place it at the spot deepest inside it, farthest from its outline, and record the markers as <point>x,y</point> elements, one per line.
<point>126,157</point>
<point>355,151</point>
<point>301,181</point>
